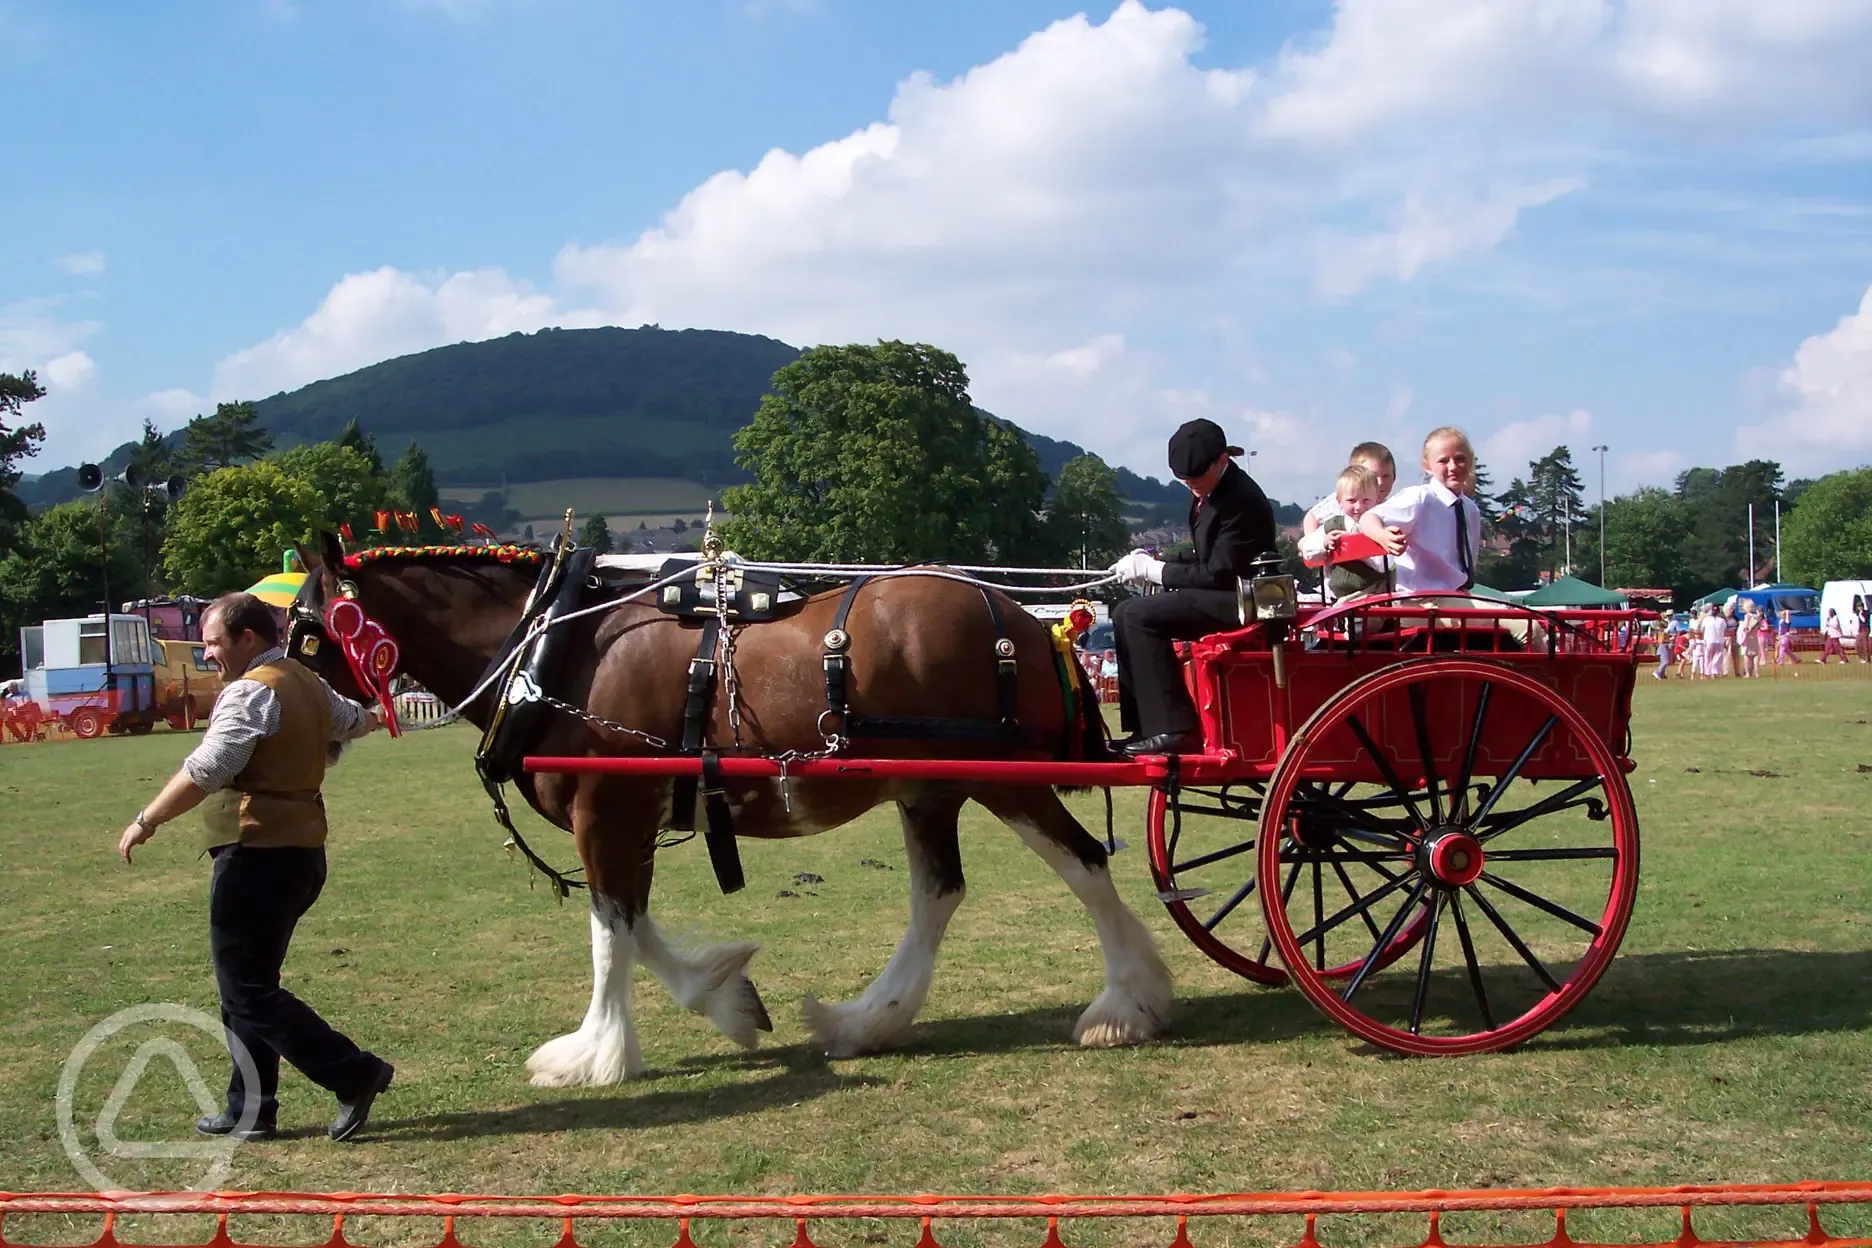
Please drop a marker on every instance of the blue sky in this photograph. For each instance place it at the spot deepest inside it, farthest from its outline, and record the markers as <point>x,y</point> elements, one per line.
<point>1645,223</point>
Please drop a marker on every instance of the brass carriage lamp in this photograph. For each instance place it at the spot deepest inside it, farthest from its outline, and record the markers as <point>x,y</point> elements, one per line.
<point>1269,596</point>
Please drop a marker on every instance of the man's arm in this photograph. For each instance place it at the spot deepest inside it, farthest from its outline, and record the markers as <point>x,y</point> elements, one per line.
<point>245,713</point>
<point>350,720</point>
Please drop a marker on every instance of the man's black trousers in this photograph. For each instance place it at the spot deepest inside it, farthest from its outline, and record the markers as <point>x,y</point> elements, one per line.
<point>253,905</point>
<point>1151,696</point>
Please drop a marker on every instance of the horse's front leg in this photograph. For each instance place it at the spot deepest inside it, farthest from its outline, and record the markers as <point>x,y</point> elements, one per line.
<point>616,847</point>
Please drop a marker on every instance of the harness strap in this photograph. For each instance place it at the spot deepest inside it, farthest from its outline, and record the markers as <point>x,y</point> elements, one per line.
<point>1007,669</point>
<point>724,854</point>
<point>837,661</point>
<point>695,723</point>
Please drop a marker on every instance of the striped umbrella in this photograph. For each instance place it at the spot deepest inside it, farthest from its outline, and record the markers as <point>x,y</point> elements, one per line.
<point>278,590</point>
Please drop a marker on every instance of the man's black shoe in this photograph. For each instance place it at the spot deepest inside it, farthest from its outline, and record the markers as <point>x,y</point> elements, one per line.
<point>225,1123</point>
<point>353,1113</point>
<point>1163,743</point>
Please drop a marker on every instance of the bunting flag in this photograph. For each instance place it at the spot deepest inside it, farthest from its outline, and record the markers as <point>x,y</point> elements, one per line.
<point>435,513</point>
<point>454,523</point>
<point>344,530</point>
<point>480,530</point>
<point>383,521</point>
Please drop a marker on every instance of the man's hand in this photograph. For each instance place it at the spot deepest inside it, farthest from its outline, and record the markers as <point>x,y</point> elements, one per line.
<point>133,836</point>
<point>373,719</point>
<point>1391,540</point>
<point>1138,568</point>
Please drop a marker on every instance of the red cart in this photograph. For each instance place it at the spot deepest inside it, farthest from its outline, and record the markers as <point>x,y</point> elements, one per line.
<point>1413,810</point>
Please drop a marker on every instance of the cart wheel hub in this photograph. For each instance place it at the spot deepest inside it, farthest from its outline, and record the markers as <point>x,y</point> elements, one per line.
<point>1454,858</point>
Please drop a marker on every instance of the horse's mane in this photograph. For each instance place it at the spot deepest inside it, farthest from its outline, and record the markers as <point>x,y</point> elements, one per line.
<point>497,554</point>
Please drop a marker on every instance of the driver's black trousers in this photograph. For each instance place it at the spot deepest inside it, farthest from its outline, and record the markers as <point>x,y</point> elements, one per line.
<point>1152,698</point>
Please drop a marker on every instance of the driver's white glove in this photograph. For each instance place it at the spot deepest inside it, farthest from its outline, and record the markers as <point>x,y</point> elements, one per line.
<point>1138,568</point>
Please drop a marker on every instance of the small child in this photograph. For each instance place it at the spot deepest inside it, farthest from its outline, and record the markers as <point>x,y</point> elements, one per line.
<point>1434,530</point>
<point>1376,459</point>
<point>1830,633</point>
<point>1355,493</point>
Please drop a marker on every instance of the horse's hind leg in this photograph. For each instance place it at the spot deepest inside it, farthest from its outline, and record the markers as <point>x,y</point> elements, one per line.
<point>880,1016</point>
<point>1136,1003</point>
<point>712,981</point>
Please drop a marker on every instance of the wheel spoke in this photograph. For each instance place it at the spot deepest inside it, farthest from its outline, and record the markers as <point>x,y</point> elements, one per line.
<point>1384,769</point>
<point>1431,782</point>
<point>1358,907</point>
<point>1203,860</point>
<point>1469,958</point>
<point>1228,907</point>
<point>1541,903</point>
<point>1384,941</point>
<point>1461,792</point>
<point>1352,892</point>
<point>1552,855</point>
<point>1364,826</point>
<point>1553,803</point>
<point>1514,771</point>
<point>1508,934</point>
<point>1423,964</point>
<point>1319,918</point>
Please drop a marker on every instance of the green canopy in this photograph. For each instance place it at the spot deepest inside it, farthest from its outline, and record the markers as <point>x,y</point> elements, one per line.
<point>1717,598</point>
<point>1570,591</point>
<point>1493,595</point>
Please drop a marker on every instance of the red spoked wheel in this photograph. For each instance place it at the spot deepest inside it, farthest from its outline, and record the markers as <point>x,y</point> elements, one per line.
<point>86,723</point>
<point>1521,887</point>
<point>1203,845</point>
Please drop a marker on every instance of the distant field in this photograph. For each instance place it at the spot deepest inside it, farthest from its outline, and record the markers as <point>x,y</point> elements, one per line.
<point>646,497</point>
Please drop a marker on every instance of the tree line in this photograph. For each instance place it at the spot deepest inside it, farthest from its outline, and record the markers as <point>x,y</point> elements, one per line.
<point>1691,539</point>
<point>242,505</point>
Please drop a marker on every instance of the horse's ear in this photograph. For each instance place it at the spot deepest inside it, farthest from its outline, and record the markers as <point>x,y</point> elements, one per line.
<point>331,551</point>
<point>308,562</point>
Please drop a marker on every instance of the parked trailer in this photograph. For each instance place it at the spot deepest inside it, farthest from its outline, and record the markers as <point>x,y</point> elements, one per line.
<point>92,674</point>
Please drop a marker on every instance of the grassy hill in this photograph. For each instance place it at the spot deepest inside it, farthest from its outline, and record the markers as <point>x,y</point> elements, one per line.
<point>566,407</point>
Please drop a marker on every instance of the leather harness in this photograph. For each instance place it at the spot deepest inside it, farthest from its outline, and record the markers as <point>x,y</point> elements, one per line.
<point>520,715</point>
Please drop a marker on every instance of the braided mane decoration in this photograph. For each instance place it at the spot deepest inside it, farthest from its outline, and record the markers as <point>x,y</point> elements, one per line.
<point>502,554</point>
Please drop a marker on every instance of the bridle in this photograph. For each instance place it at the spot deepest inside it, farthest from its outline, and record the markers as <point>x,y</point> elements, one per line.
<point>369,649</point>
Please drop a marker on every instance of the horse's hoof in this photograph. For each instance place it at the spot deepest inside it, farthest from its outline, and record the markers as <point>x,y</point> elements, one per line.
<point>1114,1023</point>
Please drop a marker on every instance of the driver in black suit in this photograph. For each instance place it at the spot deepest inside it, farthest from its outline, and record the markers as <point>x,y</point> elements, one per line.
<point>1231,524</point>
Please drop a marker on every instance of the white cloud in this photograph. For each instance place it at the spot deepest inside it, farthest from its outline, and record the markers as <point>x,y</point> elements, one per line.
<point>82,263</point>
<point>1399,405</point>
<point>32,332</point>
<point>1096,188</point>
<point>1429,229</point>
<point>1828,423</point>
<point>1392,63</point>
<point>1508,451</point>
<point>374,316</point>
<point>72,371</point>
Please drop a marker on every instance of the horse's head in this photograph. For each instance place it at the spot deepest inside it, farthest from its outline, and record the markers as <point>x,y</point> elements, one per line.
<point>329,631</point>
<point>440,613</point>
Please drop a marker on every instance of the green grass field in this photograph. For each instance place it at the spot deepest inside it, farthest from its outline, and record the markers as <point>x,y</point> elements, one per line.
<point>1728,1042</point>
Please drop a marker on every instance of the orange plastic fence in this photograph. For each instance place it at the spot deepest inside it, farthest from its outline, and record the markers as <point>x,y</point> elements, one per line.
<point>569,1210</point>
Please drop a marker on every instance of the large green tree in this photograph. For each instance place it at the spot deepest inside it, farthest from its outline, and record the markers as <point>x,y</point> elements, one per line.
<point>56,570</point>
<point>596,533</point>
<point>875,454</point>
<point>1644,545</point>
<point>1829,536</point>
<point>342,480</point>
<point>17,442</point>
<point>365,445</point>
<point>1085,521</point>
<point>1553,496</point>
<point>231,436</point>
<point>231,527</point>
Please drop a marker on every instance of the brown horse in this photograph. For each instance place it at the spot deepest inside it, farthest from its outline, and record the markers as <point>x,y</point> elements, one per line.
<point>919,646</point>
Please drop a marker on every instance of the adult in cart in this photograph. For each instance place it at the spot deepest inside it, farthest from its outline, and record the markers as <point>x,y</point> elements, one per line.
<point>1231,525</point>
